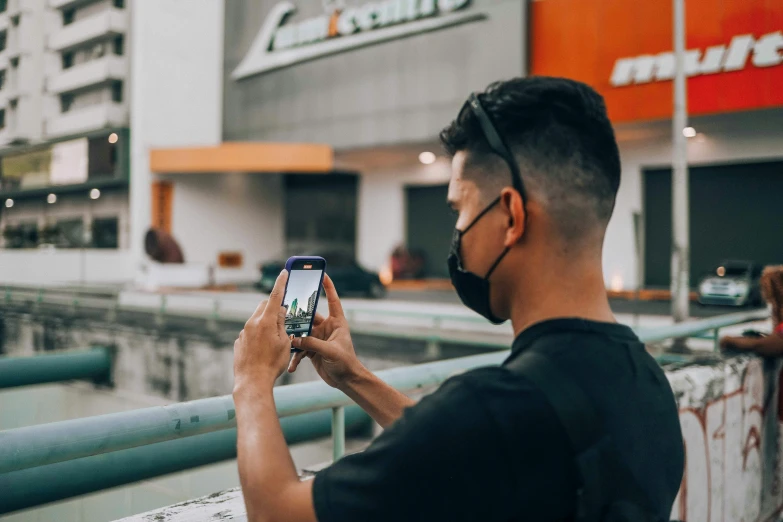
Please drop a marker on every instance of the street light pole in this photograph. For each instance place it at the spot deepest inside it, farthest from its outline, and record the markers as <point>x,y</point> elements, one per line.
<point>681,241</point>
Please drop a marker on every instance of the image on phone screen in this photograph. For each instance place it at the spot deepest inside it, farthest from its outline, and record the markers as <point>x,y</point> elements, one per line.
<point>301,296</point>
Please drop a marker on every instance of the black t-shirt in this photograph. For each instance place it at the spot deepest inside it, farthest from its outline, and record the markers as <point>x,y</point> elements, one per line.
<point>487,446</point>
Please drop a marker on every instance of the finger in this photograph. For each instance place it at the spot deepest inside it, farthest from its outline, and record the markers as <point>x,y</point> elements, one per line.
<point>281,321</point>
<point>318,319</point>
<point>312,344</point>
<point>335,307</point>
<point>259,311</point>
<point>276,296</point>
<point>295,360</point>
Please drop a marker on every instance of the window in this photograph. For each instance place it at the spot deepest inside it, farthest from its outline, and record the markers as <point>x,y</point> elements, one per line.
<point>67,60</point>
<point>22,235</point>
<point>119,4</point>
<point>3,5</point>
<point>98,51</point>
<point>69,233</point>
<point>14,62</point>
<point>116,92</point>
<point>13,103</point>
<point>119,45</point>
<point>68,16</point>
<point>104,233</point>
<point>15,20</point>
<point>2,79</point>
<point>2,118</point>
<point>3,40</point>
<point>66,100</point>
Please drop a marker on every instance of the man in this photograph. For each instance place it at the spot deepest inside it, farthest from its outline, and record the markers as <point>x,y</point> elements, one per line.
<point>535,172</point>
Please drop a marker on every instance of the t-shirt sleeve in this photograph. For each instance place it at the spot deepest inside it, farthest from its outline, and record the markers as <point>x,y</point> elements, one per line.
<point>443,460</point>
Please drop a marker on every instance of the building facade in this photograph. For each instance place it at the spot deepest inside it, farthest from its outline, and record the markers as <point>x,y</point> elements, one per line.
<point>64,113</point>
<point>264,129</point>
<point>376,82</point>
<point>734,65</point>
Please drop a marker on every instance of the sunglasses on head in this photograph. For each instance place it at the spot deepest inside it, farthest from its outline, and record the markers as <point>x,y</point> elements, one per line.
<point>495,142</point>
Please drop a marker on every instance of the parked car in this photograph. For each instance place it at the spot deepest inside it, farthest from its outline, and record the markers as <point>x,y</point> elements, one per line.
<point>348,276</point>
<point>732,283</point>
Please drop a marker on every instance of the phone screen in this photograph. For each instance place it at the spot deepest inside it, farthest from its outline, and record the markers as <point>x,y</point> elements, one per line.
<point>301,296</point>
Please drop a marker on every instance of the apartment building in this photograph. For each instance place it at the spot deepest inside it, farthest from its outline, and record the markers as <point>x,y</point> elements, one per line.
<point>64,115</point>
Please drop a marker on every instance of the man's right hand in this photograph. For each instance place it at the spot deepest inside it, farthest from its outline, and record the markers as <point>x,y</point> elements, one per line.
<point>329,345</point>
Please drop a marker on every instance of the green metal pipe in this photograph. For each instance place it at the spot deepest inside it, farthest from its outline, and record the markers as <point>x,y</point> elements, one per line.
<point>54,367</point>
<point>338,432</point>
<point>61,441</point>
<point>44,484</point>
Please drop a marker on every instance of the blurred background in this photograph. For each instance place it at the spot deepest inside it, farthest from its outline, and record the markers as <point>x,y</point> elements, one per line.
<point>161,159</point>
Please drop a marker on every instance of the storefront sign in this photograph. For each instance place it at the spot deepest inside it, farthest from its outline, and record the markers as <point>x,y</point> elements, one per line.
<point>767,51</point>
<point>281,44</point>
<point>734,57</point>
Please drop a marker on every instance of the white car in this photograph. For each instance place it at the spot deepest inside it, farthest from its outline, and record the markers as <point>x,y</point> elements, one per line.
<point>732,283</point>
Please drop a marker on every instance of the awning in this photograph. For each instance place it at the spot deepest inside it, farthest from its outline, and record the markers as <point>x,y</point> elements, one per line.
<point>244,157</point>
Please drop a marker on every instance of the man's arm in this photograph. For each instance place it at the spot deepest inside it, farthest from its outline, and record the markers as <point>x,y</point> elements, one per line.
<point>270,484</point>
<point>382,402</point>
<point>331,351</point>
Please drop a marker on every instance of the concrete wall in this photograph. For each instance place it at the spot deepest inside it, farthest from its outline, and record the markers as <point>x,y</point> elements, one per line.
<point>398,91</point>
<point>731,424</point>
<point>235,212</point>
<point>727,138</point>
<point>41,267</point>
<point>176,50</point>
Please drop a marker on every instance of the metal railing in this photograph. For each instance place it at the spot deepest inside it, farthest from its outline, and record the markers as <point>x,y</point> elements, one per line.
<point>94,363</point>
<point>89,438</point>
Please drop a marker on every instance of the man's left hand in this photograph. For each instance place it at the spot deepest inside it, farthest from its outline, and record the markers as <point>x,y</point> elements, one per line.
<point>262,351</point>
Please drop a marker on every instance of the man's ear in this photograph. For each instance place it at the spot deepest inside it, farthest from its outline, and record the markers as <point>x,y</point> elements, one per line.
<point>511,201</point>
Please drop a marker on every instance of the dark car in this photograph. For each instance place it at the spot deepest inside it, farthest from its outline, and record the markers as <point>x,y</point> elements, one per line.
<point>348,276</point>
<point>733,283</point>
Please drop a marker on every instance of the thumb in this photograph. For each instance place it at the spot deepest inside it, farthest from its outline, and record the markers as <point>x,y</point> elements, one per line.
<point>311,344</point>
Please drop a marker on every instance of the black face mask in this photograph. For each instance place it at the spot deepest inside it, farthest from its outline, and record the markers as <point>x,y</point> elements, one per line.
<point>472,289</point>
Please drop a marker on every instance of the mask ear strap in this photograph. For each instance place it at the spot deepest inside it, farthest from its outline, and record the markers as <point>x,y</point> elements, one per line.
<point>497,262</point>
<point>481,214</point>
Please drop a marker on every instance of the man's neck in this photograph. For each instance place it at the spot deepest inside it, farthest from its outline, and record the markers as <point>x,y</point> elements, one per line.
<point>563,293</point>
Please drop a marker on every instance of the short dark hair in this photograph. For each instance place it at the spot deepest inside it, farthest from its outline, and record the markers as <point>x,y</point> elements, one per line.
<point>559,132</point>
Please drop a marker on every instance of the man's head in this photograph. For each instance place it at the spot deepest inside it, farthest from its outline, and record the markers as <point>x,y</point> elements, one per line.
<point>560,137</point>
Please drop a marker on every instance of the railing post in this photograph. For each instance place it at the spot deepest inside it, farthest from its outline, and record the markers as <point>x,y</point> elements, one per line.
<point>432,350</point>
<point>159,318</point>
<point>212,322</point>
<point>716,339</point>
<point>338,432</point>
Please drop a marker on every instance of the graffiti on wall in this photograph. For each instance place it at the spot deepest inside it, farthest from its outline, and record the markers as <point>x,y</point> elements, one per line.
<point>731,430</point>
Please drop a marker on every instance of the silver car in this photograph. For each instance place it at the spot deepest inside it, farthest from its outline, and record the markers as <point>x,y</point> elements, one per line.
<point>732,283</point>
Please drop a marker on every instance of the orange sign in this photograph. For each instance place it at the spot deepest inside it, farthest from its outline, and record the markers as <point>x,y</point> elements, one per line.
<point>230,259</point>
<point>624,50</point>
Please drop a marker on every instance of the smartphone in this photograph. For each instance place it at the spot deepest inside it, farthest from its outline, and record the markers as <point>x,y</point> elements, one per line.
<point>305,281</point>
